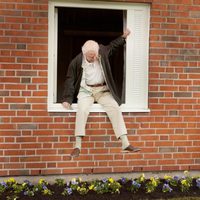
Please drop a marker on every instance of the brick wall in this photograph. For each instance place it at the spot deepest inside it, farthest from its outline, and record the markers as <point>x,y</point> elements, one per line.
<point>33,141</point>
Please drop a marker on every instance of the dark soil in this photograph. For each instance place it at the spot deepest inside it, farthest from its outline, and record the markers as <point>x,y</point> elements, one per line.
<point>124,194</point>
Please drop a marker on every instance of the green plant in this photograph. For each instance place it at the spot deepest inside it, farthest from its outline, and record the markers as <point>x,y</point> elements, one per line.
<point>67,191</point>
<point>136,183</point>
<point>60,182</point>
<point>77,185</point>
<point>173,181</point>
<point>42,187</point>
<point>166,188</point>
<point>74,183</point>
<point>186,182</point>
<point>28,188</point>
<point>152,184</point>
<point>13,189</point>
<point>135,186</point>
<point>82,188</point>
<point>105,186</point>
<point>141,179</point>
<point>3,187</point>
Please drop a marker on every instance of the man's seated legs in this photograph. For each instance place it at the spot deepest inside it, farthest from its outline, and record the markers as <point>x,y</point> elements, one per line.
<point>115,115</point>
<point>84,105</point>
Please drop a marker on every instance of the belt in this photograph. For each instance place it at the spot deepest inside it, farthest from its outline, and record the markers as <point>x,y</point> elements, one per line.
<point>97,85</point>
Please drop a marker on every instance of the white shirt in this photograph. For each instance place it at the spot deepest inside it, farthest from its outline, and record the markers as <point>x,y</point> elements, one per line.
<point>92,75</point>
<point>93,72</point>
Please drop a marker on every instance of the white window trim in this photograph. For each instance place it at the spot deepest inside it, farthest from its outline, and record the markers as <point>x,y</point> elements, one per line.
<point>137,54</point>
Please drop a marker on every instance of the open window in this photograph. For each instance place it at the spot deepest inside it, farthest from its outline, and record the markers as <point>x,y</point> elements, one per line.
<point>77,25</point>
<point>72,23</point>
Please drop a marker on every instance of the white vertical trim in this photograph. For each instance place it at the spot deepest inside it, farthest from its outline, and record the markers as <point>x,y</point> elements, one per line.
<point>51,30</point>
<point>124,71</point>
<point>55,54</point>
<point>129,58</point>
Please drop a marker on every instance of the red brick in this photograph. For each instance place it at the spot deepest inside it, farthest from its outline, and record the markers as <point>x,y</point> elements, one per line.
<point>103,157</point>
<point>185,161</point>
<point>14,166</point>
<point>122,169</point>
<point>170,168</point>
<point>72,171</point>
<point>51,171</point>
<point>18,172</point>
<point>35,165</point>
<point>102,170</point>
<point>98,151</point>
<point>152,168</point>
<point>3,172</point>
<point>166,162</point>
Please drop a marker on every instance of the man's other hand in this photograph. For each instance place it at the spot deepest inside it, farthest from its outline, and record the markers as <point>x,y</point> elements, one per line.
<point>126,33</point>
<point>67,105</point>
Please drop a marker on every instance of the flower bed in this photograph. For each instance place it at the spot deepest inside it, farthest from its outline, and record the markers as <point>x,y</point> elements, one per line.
<point>107,188</point>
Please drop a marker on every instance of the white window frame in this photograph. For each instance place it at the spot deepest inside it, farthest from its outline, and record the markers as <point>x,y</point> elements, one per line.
<point>136,60</point>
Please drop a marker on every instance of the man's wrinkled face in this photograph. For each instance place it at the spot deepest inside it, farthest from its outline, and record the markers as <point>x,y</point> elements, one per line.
<point>91,56</point>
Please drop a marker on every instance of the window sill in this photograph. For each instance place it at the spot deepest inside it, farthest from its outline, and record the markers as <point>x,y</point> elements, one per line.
<point>57,107</point>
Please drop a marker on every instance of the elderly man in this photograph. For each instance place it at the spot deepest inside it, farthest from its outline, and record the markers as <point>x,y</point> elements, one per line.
<point>89,78</point>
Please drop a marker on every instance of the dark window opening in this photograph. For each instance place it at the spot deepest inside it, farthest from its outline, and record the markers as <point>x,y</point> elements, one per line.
<point>75,26</point>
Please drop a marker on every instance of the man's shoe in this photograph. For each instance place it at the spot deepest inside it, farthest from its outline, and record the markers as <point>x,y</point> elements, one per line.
<point>75,152</point>
<point>131,148</point>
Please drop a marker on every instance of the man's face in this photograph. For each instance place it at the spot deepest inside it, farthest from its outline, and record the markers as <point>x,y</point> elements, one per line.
<point>91,56</point>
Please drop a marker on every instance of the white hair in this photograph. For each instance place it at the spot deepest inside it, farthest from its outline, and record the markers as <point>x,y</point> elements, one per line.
<point>90,45</point>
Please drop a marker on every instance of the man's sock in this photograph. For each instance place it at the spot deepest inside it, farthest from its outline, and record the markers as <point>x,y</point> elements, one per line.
<point>125,142</point>
<point>78,142</point>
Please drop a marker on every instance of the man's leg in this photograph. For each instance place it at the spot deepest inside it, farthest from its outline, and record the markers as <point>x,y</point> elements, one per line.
<point>84,105</point>
<point>115,115</point>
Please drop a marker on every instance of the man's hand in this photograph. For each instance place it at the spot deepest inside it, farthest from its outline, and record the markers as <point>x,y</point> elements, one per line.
<point>67,105</point>
<point>126,33</point>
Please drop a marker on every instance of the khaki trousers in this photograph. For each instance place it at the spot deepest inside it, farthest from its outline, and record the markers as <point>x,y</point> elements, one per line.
<point>105,99</point>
